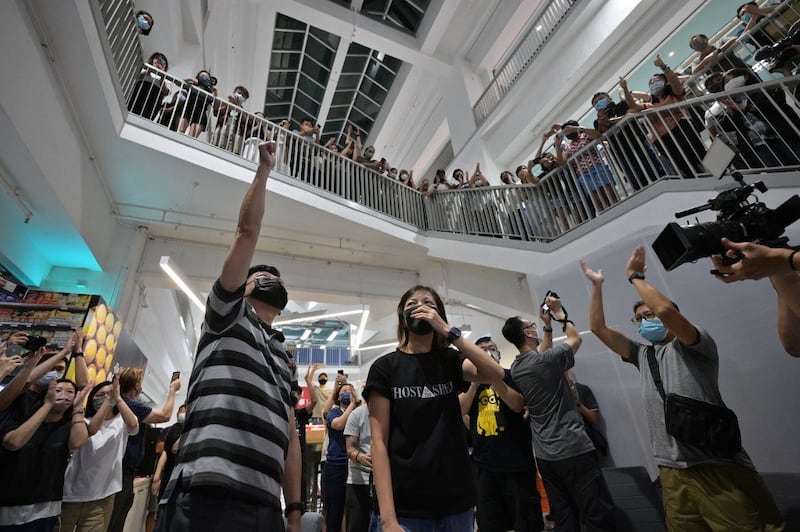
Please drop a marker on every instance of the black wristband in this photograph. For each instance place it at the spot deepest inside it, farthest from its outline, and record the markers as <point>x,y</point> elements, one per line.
<point>547,329</point>
<point>564,328</point>
<point>77,354</point>
<point>635,275</point>
<point>294,507</point>
<point>791,260</point>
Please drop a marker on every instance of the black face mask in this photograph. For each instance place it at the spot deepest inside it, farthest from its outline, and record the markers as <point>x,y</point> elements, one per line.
<point>322,382</point>
<point>572,136</point>
<point>417,326</point>
<point>270,291</point>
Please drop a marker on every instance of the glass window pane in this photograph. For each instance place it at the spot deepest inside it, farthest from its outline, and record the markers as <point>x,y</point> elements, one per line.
<point>349,81</point>
<point>342,97</point>
<point>315,72</point>
<point>354,64</point>
<point>284,61</point>
<point>310,88</point>
<point>383,76</point>
<point>366,106</point>
<point>281,79</point>
<point>306,103</point>
<point>276,111</point>
<point>288,23</point>
<point>338,113</point>
<point>284,40</point>
<point>321,53</point>
<point>279,95</point>
<point>373,90</point>
<point>329,39</point>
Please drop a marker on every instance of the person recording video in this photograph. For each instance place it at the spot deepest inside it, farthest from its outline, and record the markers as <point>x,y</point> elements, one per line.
<point>707,478</point>
<point>780,265</point>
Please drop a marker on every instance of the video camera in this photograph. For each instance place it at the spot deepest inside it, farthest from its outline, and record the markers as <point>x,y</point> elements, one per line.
<point>738,219</point>
<point>781,51</point>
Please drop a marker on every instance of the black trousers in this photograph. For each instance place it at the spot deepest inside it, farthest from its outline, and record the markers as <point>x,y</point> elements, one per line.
<point>122,503</point>
<point>508,501</point>
<point>214,510</point>
<point>578,494</point>
<point>358,507</point>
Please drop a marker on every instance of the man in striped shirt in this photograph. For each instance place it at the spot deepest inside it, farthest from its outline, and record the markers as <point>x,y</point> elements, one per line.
<point>239,446</point>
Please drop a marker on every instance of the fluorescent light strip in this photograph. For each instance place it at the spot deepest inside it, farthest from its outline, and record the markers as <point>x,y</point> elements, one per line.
<point>311,317</point>
<point>332,336</point>
<point>178,278</point>
<point>377,346</point>
<point>305,335</point>
<point>360,333</point>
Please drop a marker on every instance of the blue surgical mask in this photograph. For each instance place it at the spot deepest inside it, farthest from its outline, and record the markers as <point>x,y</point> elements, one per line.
<point>602,104</point>
<point>746,18</point>
<point>657,87</point>
<point>143,23</point>
<point>653,330</point>
<point>45,379</point>
<point>182,96</point>
<point>345,398</point>
<point>204,79</point>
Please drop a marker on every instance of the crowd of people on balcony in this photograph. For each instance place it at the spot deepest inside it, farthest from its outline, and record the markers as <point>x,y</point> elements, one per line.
<point>584,170</point>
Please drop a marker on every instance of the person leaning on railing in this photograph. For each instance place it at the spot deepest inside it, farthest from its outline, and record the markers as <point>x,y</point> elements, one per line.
<point>675,134</point>
<point>720,124</point>
<point>200,95</point>
<point>150,88</point>
<point>760,116</point>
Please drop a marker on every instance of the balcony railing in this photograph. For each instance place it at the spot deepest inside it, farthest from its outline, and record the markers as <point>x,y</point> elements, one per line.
<point>760,121</point>
<point>538,33</point>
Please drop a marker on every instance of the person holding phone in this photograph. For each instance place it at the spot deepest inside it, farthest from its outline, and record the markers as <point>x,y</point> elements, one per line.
<point>334,476</point>
<point>11,354</point>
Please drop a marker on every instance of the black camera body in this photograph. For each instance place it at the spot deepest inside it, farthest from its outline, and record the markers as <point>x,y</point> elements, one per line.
<point>738,219</point>
<point>35,343</point>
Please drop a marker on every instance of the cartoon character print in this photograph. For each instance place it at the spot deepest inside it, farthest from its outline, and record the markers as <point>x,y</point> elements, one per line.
<point>489,419</point>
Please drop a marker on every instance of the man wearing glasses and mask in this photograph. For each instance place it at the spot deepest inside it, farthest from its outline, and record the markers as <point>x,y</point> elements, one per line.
<point>707,478</point>
<point>578,495</point>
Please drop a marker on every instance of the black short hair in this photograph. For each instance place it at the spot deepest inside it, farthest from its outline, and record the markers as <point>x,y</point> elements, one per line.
<point>598,94</point>
<point>520,167</point>
<point>640,303</point>
<point>739,9</point>
<point>570,123</point>
<point>307,119</point>
<point>321,374</point>
<point>483,340</point>
<point>698,35</point>
<point>512,331</point>
<point>263,268</point>
<point>243,90</point>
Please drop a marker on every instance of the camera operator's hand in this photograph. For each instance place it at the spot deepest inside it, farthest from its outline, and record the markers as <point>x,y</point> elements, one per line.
<point>636,262</point>
<point>554,303</point>
<point>755,261</point>
<point>595,276</point>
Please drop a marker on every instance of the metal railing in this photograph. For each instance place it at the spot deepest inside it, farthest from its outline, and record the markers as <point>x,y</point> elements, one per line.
<point>759,121</point>
<point>539,32</point>
<point>123,40</point>
<point>190,108</point>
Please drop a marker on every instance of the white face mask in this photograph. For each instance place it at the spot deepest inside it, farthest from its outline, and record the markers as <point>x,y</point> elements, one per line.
<point>735,83</point>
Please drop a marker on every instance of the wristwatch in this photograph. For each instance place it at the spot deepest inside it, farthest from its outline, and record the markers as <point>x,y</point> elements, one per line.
<point>635,275</point>
<point>453,335</point>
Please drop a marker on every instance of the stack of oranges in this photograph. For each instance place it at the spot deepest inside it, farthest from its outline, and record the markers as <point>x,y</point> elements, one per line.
<point>101,336</point>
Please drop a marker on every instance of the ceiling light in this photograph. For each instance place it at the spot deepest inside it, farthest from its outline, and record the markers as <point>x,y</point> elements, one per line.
<point>360,333</point>
<point>332,336</point>
<point>377,346</point>
<point>305,335</point>
<point>671,54</point>
<point>314,316</point>
<point>539,27</point>
<point>175,273</point>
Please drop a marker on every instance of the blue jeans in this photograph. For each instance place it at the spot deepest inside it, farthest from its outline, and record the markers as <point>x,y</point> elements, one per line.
<point>46,524</point>
<point>462,522</point>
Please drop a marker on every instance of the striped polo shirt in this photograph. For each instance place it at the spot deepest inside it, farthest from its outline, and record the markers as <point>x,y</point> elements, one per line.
<point>241,392</point>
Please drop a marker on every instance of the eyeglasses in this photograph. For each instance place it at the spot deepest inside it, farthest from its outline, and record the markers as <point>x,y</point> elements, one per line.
<point>529,326</point>
<point>643,316</point>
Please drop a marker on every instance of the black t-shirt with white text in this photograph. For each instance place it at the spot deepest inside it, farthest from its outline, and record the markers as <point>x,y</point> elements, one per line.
<point>428,455</point>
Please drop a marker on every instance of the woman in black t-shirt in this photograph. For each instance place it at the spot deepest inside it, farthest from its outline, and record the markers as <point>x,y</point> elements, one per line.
<point>419,453</point>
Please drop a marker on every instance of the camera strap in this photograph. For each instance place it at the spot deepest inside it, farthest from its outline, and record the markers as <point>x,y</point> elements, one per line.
<point>651,361</point>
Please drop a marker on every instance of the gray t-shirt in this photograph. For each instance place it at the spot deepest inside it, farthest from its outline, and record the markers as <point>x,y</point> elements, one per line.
<point>358,426</point>
<point>686,370</point>
<point>556,424</point>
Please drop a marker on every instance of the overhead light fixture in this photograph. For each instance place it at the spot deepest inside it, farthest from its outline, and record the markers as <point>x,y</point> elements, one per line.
<point>377,346</point>
<point>305,335</point>
<point>360,333</point>
<point>179,278</point>
<point>332,336</point>
<point>310,316</point>
<point>671,54</point>
<point>539,27</point>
